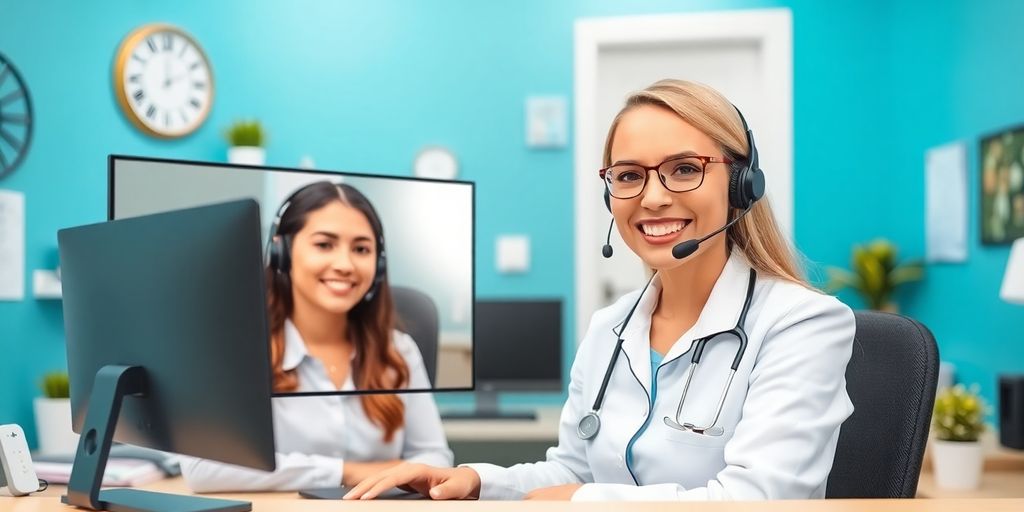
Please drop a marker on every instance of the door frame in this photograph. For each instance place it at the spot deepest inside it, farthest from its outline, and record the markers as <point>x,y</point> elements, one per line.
<point>770,29</point>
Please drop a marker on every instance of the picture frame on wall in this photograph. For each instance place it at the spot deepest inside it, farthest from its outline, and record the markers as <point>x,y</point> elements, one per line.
<point>1002,186</point>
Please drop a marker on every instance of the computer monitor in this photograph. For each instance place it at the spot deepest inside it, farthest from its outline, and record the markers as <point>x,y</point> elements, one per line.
<point>165,319</point>
<point>427,227</point>
<point>518,348</point>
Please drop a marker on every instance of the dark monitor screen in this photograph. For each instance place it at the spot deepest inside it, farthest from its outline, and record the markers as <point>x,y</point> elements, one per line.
<point>427,230</point>
<point>180,295</point>
<point>518,345</point>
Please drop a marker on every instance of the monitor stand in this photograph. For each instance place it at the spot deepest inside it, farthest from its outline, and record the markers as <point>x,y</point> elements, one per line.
<point>487,409</point>
<point>112,384</point>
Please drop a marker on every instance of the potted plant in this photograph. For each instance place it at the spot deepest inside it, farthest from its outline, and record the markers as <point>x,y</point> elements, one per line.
<point>247,140</point>
<point>53,416</point>
<point>875,275</point>
<point>957,422</point>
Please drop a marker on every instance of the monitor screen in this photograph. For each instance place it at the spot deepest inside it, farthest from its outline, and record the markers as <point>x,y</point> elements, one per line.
<point>428,261</point>
<point>136,294</point>
<point>519,345</point>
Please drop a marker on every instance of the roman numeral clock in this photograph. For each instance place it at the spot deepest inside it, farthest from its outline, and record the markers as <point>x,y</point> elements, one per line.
<point>163,81</point>
<point>15,118</point>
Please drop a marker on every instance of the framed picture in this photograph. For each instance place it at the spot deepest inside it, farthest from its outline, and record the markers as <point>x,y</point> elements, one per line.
<point>1002,186</point>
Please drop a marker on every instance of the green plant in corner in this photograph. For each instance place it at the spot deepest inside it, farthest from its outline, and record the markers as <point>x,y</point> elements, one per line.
<point>55,385</point>
<point>875,274</point>
<point>959,414</point>
<point>246,133</point>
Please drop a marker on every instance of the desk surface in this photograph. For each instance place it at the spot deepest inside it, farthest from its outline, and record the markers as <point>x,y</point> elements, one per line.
<point>271,502</point>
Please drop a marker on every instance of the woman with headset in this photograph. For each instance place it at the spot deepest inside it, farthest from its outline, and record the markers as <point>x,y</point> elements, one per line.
<point>723,377</point>
<point>332,327</point>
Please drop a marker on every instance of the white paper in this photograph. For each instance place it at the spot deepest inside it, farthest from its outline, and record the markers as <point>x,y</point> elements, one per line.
<point>546,122</point>
<point>946,203</point>
<point>12,245</point>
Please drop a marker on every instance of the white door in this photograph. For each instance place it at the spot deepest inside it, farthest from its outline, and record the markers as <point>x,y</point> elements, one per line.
<point>746,55</point>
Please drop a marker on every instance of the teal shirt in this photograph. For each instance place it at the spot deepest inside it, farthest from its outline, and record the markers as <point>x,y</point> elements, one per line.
<point>656,360</point>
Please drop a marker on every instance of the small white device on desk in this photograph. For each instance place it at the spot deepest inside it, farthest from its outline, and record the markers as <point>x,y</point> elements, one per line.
<point>17,477</point>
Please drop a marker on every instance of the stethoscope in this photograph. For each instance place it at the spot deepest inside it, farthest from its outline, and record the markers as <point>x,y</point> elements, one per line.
<point>590,423</point>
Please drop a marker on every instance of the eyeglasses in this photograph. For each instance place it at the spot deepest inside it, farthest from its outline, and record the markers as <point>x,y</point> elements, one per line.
<point>677,174</point>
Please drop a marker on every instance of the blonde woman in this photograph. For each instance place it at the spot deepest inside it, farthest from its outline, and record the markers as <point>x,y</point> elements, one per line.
<point>723,378</point>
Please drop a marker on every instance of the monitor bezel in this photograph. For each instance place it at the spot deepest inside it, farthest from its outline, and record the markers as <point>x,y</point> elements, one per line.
<point>113,158</point>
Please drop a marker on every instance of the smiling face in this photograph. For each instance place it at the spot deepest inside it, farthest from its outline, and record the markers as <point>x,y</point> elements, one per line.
<point>334,259</point>
<point>658,219</point>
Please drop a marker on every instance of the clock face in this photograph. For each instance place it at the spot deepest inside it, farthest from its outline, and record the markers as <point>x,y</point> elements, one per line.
<point>163,80</point>
<point>15,118</point>
<point>436,162</point>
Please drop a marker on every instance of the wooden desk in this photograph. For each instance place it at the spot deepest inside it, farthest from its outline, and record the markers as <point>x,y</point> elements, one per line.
<point>289,502</point>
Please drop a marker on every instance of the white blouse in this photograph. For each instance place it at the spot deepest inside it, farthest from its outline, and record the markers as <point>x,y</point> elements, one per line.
<point>315,435</point>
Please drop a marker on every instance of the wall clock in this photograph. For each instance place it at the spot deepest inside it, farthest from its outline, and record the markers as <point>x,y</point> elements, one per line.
<point>163,81</point>
<point>436,162</point>
<point>15,118</point>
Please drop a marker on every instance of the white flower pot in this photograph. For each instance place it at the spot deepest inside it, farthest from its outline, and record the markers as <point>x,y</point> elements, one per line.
<point>53,426</point>
<point>247,155</point>
<point>958,464</point>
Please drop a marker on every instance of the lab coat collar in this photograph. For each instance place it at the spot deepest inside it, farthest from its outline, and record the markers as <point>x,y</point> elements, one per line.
<point>295,352</point>
<point>720,313</point>
<point>294,348</point>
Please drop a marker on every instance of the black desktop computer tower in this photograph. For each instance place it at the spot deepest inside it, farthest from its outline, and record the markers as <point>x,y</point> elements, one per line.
<point>1011,411</point>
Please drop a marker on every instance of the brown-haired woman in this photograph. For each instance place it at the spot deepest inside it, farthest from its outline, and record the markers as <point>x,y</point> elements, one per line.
<point>332,327</point>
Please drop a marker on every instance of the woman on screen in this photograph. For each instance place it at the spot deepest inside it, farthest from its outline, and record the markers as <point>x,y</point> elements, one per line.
<point>332,326</point>
<point>722,378</point>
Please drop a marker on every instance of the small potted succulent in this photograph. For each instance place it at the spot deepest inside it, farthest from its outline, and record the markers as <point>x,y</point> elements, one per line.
<point>957,422</point>
<point>53,416</point>
<point>247,140</point>
<point>875,274</point>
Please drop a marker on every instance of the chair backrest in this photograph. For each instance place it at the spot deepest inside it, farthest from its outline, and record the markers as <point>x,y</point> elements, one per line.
<point>418,318</point>
<point>891,381</point>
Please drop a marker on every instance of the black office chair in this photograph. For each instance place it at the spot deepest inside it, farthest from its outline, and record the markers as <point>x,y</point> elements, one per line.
<point>418,318</point>
<point>891,380</point>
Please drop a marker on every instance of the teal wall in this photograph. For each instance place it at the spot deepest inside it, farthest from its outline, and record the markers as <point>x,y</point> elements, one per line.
<point>364,85</point>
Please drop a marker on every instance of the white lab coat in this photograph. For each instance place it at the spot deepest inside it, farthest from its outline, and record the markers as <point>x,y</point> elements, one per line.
<point>315,435</point>
<point>781,417</point>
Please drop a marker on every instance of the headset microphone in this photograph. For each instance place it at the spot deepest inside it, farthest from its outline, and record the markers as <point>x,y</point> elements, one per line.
<point>746,187</point>
<point>607,249</point>
<point>684,249</point>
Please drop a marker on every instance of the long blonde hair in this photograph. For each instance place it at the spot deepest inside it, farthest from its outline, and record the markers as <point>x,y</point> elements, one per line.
<point>757,235</point>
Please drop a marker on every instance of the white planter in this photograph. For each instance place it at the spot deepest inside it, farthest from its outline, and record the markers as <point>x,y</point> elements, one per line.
<point>53,426</point>
<point>247,155</point>
<point>957,464</point>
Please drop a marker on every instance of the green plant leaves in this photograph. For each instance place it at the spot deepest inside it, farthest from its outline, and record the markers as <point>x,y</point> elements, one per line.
<point>246,133</point>
<point>875,273</point>
<point>55,385</point>
<point>959,414</point>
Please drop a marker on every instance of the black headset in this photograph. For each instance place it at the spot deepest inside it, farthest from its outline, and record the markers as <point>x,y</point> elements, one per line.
<point>746,184</point>
<point>279,247</point>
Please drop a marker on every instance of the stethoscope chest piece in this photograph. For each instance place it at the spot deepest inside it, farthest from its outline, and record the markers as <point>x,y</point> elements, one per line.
<point>588,426</point>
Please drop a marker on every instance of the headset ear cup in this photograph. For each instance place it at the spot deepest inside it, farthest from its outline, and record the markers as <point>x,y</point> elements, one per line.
<point>607,200</point>
<point>284,259</point>
<point>754,186</point>
<point>381,272</point>
<point>736,195</point>
<point>274,254</point>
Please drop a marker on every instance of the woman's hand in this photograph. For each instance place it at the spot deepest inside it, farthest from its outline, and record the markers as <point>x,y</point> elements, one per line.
<point>435,483</point>
<point>355,472</point>
<point>556,493</point>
